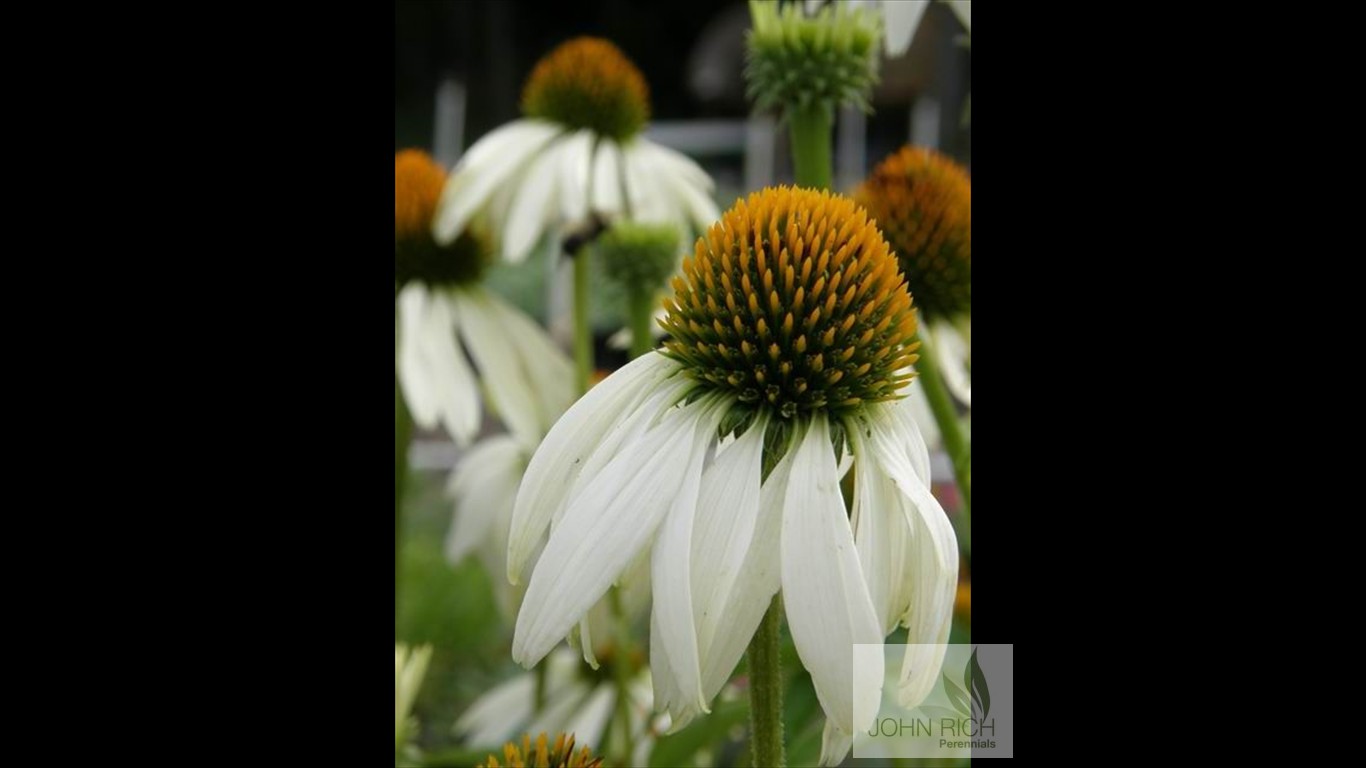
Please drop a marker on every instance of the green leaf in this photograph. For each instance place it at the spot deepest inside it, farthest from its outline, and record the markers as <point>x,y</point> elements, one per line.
<point>705,732</point>
<point>805,746</point>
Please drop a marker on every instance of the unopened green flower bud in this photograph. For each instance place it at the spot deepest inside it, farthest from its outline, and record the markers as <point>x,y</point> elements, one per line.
<point>824,60</point>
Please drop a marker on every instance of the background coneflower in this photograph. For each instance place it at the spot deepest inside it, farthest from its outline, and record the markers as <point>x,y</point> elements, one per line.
<point>578,151</point>
<point>444,311</point>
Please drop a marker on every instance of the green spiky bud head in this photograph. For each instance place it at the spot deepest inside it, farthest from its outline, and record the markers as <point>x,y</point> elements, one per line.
<point>640,256</point>
<point>799,62</point>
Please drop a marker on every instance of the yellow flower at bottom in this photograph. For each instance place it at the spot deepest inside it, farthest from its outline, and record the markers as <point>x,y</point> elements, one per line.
<point>561,755</point>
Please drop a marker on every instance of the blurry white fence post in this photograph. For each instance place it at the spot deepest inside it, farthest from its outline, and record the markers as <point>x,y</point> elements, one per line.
<point>448,134</point>
<point>851,144</point>
<point>759,151</point>
<point>925,123</point>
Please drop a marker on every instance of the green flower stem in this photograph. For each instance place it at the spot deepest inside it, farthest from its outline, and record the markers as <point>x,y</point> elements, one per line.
<point>583,331</point>
<point>946,416</point>
<point>538,700</point>
<point>766,689</point>
<point>642,310</point>
<point>811,133</point>
<point>621,673</point>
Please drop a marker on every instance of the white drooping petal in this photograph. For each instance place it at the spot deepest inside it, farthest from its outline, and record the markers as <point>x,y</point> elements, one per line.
<point>845,460</point>
<point>437,383</point>
<point>456,390</point>
<point>549,370</point>
<point>723,533</point>
<point>635,586</point>
<point>687,184</point>
<point>607,178</point>
<point>414,379</point>
<point>835,745</point>
<point>636,419</point>
<point>882,535</point>
<point>533,205</point>
<point>759,580</point>
<point>701,210</point>
<point>570,442</point>
<point>581,637</point>
<point>602,530</point>
<point>918,407</point>
<point>963,9</point>
<point>902,17</point>
<point>667,696</point>
<point>633,593</point>
<point>483,488</point>
<point>573,176</point>
<point>643,723</point>
<point>952,352</point>
<point>651,201</point>
<point>589,721</point>
<point>484,327</point>
<point>828,606</point>
<point>498,713</point>
<point>671,569</point>
<point>505,712</point>
<point>900,453</point>
<point>930,619</point>
<point>560,707</point>
<point>492,161</point>
<point>896,438</point>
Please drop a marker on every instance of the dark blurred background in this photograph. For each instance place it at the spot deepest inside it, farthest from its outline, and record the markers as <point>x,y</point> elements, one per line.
<point>478,53</point>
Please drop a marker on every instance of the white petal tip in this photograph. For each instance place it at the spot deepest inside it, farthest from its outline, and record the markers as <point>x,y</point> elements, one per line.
<point>835,745</point>
<point>679,720</point>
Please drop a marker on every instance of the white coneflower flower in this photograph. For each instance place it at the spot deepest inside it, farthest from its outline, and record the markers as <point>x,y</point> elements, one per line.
<point>721,456</point>
<point>410,666</point>
<point>576,702</point>
<point>922,201</point>
<point>901,18</point>
<point>441,304</point>
<point>585,105</point>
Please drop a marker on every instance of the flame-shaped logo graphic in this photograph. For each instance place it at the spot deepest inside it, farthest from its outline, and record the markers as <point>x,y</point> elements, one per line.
<point>973,699</point>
